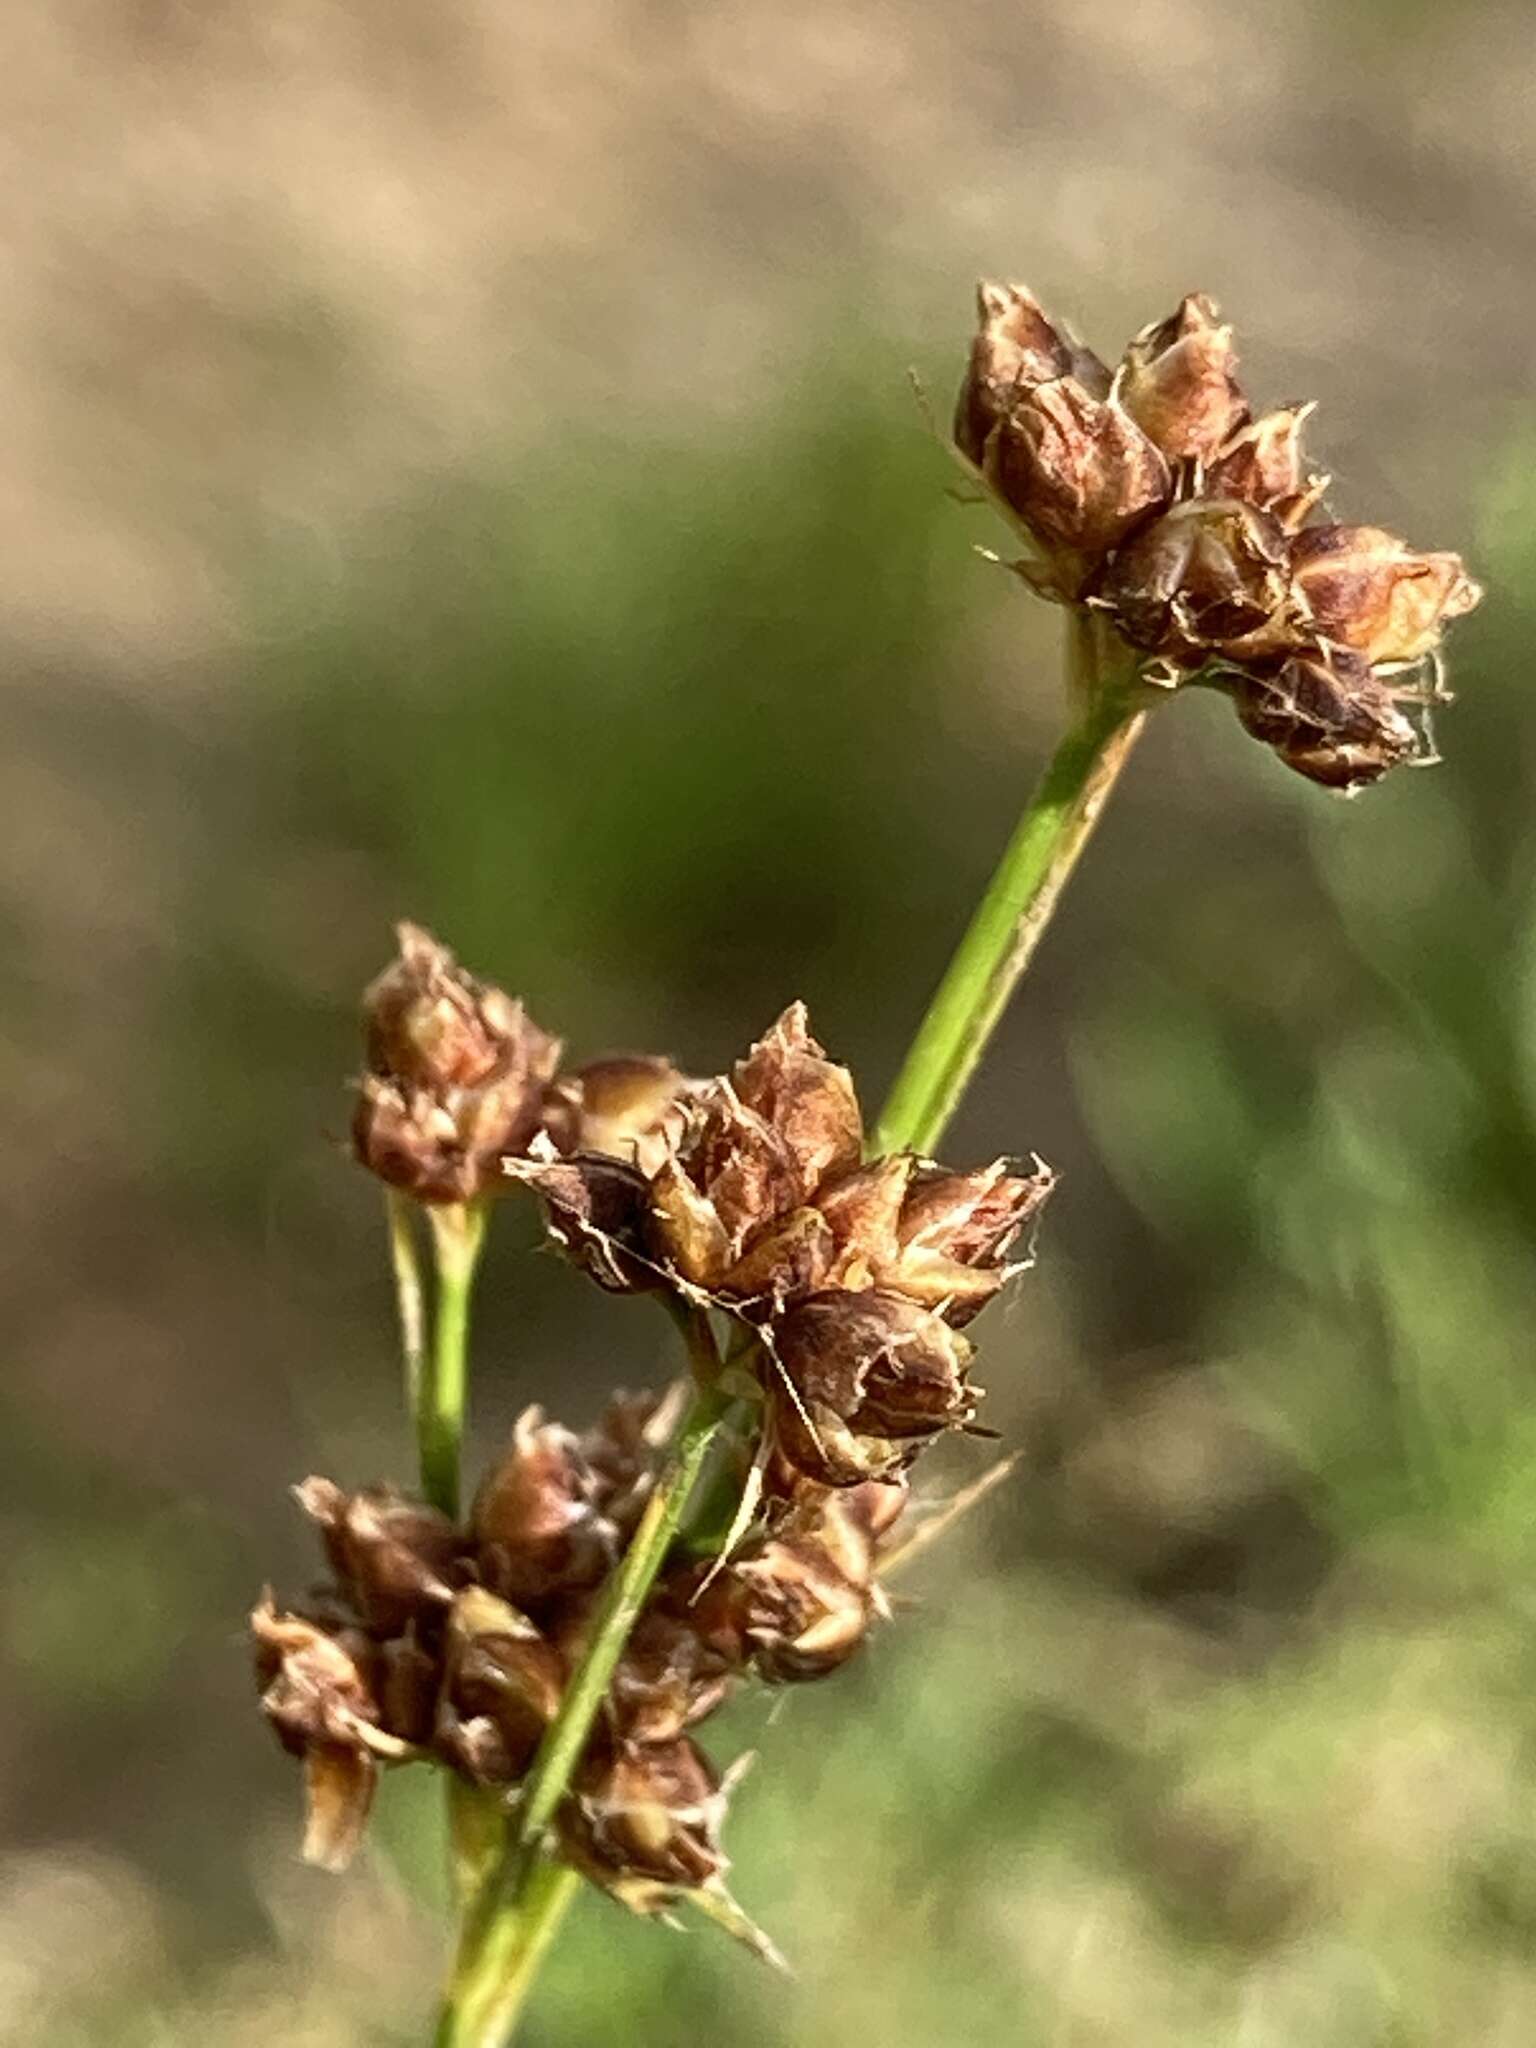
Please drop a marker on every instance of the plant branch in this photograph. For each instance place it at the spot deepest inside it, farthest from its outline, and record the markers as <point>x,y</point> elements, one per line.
<point>410,1303</point>
<point>458,1232</point>
<point>1019,902</point>
<point>520,1907</point>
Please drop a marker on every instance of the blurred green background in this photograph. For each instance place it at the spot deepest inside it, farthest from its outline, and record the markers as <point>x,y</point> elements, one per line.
<point>461,465</point>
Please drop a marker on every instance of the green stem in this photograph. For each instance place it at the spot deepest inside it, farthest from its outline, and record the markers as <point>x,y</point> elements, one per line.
<point>1011,918</point>
<point>458,1232</point>
<point>520,1908</point>
<point>487,1998</point>
<point>399,1211</point>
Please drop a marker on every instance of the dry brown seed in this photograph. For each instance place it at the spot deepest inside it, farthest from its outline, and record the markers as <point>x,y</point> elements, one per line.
<point>807,1099</point>
<point>673,1672</point>
<point>863,1380</point>
<point>1263,465</point>
<point>1208,576</point>
<point>1077,469</point>
<point>1178,382</point>
<point>1327,716</point>
<point>456,1076</point>
<point>501,1690</point>
<point>535,1522</point>
<point>955,1231</point>
<point>1365,589</point>
<point>596,1210</point>
<point>644,1822</point>
<point>626,1106</point>
<point>319,1696</point>
<point>396,1559</point>
<point>1016,348</point>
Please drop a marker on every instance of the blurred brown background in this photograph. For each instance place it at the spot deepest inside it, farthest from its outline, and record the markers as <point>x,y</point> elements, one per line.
<point>460,464</point>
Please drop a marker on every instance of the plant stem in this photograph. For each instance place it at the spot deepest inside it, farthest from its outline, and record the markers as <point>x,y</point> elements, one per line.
<point>521,1906</point>
<point>409,1300</point>
<point>491,1988</point>
<point>458,1232</point>
<point>1011,918</point>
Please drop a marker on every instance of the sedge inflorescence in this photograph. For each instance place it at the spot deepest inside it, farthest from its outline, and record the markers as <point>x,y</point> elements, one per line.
<point>842,1287</point>
<point>1154,497</point>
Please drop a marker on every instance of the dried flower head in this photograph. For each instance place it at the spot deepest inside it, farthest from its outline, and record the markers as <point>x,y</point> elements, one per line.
<point>1186,523</point>
<point>862,1381</point>
<point>1328,716</point>
<point>1178,382</point>
<point>643,1822</point>
<point>318,1691</point>
<point>396,1559</point>
<point>1365,589</point>
<point>502,1686</point>
<point>535,1522</point>
<point>456,1076</point>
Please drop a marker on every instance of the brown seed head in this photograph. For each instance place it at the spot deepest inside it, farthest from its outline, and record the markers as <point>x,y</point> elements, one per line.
<point>863,1380</point>
<point>396,1560</point>
<point>456,1076</point>
<point>1178,382</point>
<point>1210,576</point>
<point>674,1672</point>
<point>644,1822</point>
<point>535,1523</point>
<point>1016,348</point>
<point>1077,469</point>
<point>1327,716</point>
<point>502,1687</point>
<point>318,1694</point>
<point>1367,590</point>
<point>626,1107</point>
<point>731,1212</point>
<point>1263,465</point>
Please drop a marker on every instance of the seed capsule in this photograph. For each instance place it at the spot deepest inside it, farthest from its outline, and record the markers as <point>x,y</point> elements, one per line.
<point>1328,717</point>
<point>1210,576</point>
<point>535,1522</point>
<point>1178,382</point>
<point>456,1076</point>
<point>863,1380</point>
<point>1077,469</point>
<point>1263,465</point>
<point>396,1560</point>
<point>1365,589</point>
<point>318,1694</point>
<point>502,1687</point>
<point>644,1822</point>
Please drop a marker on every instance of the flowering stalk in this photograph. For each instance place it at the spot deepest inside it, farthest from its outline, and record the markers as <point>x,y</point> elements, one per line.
<point>1181,534</point>
<point>1021,898</point>
<point>435,1387</point>
<point>410,1303</point>
<point>458,1233</point>
<point>522,1904</point>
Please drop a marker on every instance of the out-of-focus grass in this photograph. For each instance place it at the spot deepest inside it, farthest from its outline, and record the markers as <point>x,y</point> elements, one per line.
<point>1218,1728</point>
